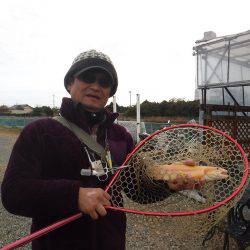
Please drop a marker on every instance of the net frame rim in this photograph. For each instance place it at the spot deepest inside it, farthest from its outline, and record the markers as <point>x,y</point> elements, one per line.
<point>201,211</point>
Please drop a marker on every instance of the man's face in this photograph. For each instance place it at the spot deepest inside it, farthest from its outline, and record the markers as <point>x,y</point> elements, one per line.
<point>92,89</point>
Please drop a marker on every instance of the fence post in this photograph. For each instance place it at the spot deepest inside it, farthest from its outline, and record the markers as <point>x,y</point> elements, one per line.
<point>138,117</point>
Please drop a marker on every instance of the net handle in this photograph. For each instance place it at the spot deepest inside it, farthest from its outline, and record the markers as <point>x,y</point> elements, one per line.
<point>63,222</point>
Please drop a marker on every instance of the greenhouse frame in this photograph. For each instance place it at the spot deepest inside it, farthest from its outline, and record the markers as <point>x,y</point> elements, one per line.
<point>223,84</point>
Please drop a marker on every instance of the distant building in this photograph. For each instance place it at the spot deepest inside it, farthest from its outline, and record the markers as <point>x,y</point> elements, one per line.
<point>4,110</point>
<point>22,109</point>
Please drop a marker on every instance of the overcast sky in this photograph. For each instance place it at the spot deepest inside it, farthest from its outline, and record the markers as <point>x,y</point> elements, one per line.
<point>149,42</point>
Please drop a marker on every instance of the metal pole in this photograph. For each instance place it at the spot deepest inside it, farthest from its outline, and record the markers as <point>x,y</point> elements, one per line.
<point>243,95</point>
<point>205,107</point>
<point>129,98</point>
<point>205,73</point>
<point>223,95</point>
<point>114,104</point>
<point>138,118</point>
<point>53,101</point>
<point>228,62</point>
<point>197,70</point>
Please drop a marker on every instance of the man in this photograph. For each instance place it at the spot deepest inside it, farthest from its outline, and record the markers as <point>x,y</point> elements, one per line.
<point>43,179</point>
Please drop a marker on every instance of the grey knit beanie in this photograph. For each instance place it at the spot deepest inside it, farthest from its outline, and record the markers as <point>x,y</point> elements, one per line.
<point>88,60</point>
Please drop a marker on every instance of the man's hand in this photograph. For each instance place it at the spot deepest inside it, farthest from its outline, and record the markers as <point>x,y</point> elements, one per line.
<point>91,201</point>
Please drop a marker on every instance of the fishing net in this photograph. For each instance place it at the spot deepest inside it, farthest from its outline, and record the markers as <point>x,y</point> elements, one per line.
<point>134,190</point>
<point>173,220</point>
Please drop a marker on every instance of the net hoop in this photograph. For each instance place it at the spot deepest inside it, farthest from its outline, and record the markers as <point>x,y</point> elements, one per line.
<point>201,211</point>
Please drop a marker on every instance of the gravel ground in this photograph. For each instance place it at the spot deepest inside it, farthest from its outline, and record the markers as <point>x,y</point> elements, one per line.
<point>6,144</point>
<point>12,227</point>
<point>143,232</point>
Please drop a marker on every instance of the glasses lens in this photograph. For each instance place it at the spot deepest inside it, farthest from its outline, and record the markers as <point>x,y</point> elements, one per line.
<point>87,77</point>
<point>105,81</point>
<point>91,76</point>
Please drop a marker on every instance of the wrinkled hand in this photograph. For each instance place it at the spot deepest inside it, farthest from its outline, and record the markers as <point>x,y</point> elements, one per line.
<point>91,201</point>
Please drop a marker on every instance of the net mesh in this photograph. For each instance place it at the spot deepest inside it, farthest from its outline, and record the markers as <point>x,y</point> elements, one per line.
<point>135,189</point>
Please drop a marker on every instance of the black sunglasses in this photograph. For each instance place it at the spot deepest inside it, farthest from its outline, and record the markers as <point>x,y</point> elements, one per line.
<point>92,76</point>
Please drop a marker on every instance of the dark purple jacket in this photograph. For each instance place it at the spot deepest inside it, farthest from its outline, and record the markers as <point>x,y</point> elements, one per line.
<point>42,181</point>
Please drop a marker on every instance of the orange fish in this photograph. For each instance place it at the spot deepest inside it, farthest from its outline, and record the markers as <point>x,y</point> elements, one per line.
<point>186,169</point>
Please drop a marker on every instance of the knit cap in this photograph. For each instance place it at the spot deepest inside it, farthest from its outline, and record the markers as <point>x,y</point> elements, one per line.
<point>89,60</point>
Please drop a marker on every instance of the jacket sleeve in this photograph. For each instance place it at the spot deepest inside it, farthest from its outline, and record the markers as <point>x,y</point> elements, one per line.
<point>25,193</point>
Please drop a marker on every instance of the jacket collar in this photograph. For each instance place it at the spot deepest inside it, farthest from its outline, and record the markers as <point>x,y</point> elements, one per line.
<point>71,112</point>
